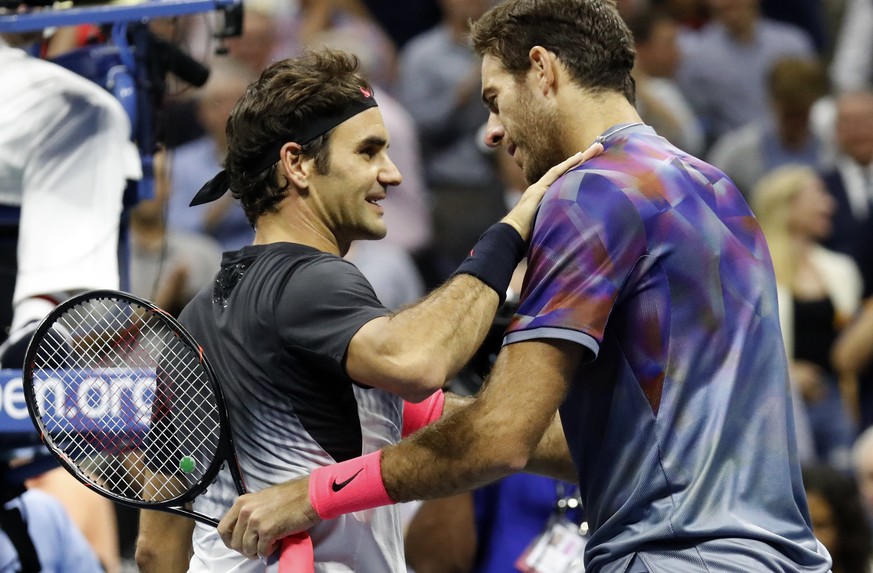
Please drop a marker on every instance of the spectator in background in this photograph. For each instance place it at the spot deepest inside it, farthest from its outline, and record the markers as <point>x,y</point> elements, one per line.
<point>660,102</point>
<point>179,121</point>
<point>853,351</point>
<point>850,183</point>
<point>691,14</point>
<point>628,9</point>
<point>257,45</point>
<point>725,64</point>
<point>852,356</point>
<point>785,136</point>
<point>807,15</point>
<point>404,20</point>
<point>167,266</point>
<point>37,534</point>
<point>819,291</point>
<point>197,161</point>
<point>489,529</point>
<point>852,66</point>
<point>833,13</point>
<point>93,516</point>
<point>862,464</point>
<point>838,519</point>
<point>390,270</point>
<point>65,160</point>
<point>350,18</point>
<point>439,83</point>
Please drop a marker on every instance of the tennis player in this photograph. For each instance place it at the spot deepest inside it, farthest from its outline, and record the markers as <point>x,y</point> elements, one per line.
<point>648,318</point>
<point>314,369</point>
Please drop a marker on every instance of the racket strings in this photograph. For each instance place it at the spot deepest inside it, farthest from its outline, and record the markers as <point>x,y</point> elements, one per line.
<point>126,400</point>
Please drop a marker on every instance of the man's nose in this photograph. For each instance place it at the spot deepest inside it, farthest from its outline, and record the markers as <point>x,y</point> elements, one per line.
<point>390,176</point>
<point>494,131</point>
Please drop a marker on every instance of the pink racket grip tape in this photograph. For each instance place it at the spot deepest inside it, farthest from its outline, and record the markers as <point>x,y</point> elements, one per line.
<point>296,554</point>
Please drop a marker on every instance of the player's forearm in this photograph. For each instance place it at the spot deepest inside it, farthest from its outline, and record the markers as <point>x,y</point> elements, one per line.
<point>445,329</point>
<point>414,352</point>
<point>420,347</point>
<point>493,436</point>
<point>552,455</point>
<point>453,455</point>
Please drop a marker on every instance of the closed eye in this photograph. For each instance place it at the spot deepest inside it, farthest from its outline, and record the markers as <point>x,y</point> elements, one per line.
<point>491,104</point>
<point>489,98</point>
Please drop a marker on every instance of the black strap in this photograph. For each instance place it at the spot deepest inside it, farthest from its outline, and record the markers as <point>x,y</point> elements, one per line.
<point>494,257</point>
<point>212,190</point>
<point>15,528</point>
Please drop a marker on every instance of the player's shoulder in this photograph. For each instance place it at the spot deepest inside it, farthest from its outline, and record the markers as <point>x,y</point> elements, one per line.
<point>284,261</point>
<point>623,165</point>
<point>304,256</point>
<point>644,168</point>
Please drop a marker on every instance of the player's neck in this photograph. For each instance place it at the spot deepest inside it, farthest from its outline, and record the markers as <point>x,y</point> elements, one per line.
<point>291,225</point>
<point>589,116</point>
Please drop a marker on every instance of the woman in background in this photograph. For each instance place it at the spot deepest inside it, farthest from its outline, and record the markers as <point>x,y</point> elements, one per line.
<point>819,291</point>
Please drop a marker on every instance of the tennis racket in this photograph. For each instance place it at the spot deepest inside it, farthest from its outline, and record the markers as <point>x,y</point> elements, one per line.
<point>125,399</point>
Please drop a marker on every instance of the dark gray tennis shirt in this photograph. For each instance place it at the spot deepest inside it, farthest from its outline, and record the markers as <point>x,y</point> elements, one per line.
<point>276,325</point>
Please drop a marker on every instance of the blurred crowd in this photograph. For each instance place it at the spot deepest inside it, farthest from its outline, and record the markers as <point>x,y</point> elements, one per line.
<point>776,93</point>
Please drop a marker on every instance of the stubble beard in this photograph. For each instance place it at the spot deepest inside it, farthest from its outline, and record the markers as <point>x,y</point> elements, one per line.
<point>542,136</point>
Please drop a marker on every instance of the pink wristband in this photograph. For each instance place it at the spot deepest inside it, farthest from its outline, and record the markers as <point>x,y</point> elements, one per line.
<point>349,486</point>
<point>417,416</point>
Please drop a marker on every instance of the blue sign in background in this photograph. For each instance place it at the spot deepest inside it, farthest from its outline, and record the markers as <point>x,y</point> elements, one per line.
<point>14,418</point>
<point>110,400</point>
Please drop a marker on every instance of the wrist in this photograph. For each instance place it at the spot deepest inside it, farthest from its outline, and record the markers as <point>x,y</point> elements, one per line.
<point>495,256</point>
<point>309,510</point>
<point>514,224</point>
<point>349,486</point>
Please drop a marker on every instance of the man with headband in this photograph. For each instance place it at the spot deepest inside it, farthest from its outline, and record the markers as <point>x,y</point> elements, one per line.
<point>314,369</point>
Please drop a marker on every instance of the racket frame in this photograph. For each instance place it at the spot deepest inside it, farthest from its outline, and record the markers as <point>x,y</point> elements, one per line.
<point>225,451</point>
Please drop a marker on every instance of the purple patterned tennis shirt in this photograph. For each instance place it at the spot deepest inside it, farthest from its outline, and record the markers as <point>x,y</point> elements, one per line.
<point>679,420</point>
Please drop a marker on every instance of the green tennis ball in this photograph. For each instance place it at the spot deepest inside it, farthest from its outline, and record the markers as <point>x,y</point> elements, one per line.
<point>187,464</point>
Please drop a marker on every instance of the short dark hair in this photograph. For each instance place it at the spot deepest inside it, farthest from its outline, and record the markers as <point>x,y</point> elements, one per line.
<point>288,95</point>
<point>588,36</point>
<point>797,80</point>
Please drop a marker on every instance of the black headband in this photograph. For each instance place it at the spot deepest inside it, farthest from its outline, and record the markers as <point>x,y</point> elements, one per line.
<point>218,185</point>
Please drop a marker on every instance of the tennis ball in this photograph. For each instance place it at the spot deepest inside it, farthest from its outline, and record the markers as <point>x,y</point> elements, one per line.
<point>187,464</point>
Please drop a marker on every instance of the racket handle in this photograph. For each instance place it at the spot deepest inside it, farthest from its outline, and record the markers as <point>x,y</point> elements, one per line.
<point>296,554</point>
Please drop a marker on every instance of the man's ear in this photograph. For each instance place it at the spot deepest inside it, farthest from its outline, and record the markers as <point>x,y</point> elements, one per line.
<point>544,66</point>
<point>294,166</point>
